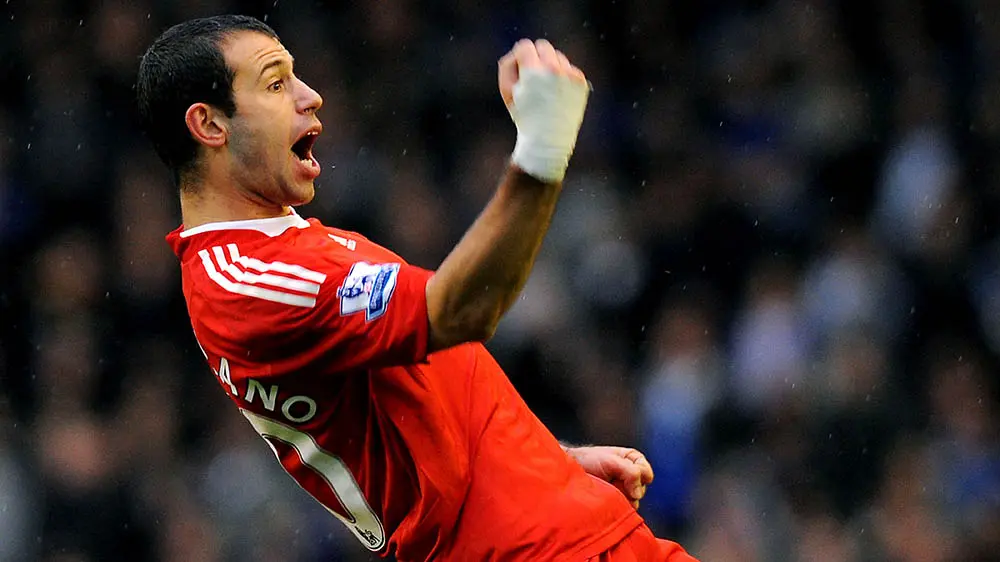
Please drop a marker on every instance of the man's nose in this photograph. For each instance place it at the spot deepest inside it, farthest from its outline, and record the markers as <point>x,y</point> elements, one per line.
<point>309,100</point>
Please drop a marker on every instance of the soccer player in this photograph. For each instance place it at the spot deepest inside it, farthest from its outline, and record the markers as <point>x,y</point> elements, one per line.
<point>364,374</point>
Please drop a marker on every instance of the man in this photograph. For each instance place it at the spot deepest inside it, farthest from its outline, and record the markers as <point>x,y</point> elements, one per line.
<point>364,374</point>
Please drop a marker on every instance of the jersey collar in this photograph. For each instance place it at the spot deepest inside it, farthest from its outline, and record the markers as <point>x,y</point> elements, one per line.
<point>272,227</point>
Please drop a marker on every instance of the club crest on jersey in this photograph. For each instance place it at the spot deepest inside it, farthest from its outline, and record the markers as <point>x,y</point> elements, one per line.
<point>368,287</point>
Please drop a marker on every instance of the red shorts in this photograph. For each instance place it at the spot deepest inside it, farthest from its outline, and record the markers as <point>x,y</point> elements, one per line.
<point>642,546</point>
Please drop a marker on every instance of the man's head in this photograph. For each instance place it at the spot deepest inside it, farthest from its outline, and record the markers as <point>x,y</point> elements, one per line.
<point>220,102</point>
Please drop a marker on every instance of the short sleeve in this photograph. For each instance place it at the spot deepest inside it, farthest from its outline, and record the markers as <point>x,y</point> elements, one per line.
<point>366,314</point>
<point>294,310</point>
<point>375,314</point>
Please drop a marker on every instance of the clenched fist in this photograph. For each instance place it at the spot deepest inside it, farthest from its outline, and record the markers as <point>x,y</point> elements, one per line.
<point>546,97</point>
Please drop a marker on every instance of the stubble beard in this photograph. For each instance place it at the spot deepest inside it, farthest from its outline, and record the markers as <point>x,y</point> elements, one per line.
<point>256,170</point>
<point>253,168</point>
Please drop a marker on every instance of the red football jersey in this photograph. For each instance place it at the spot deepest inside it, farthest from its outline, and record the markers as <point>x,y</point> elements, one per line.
<point>319,337</point>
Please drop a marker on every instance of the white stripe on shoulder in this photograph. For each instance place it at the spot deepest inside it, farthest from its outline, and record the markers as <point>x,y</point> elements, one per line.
<point>280,267</point>
<point>251,290</point>
<point>263,278</point>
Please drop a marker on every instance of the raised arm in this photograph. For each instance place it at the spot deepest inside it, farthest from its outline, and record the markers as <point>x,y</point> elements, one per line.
<point>481,277</point>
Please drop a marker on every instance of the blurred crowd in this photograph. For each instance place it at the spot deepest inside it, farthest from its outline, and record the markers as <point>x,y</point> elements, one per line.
<point>775,268</point>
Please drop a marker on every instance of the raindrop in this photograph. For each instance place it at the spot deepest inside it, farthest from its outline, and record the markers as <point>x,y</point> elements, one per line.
<point>333,166</point>
<point>81,23</point>
<point>635,105</point>
<point>643,328</point>
<point>956,220</point>
<point>265,17</point>
<point>29,146</point>
<point>78,146</point>
<point>404,151</point>
<point>729,79</point>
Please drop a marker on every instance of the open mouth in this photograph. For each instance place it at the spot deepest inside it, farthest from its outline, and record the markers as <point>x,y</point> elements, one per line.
<point>303,147</point>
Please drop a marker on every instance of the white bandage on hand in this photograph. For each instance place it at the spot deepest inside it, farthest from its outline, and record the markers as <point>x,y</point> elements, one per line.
<point>547,109</point>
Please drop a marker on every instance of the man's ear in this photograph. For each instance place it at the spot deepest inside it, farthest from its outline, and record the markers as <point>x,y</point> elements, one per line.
<point>207,125</point>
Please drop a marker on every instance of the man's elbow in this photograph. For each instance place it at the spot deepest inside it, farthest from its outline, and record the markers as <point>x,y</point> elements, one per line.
<point>453,328</point>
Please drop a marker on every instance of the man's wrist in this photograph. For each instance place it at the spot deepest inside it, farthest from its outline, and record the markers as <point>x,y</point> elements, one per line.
<point>569,448</point>
<point>526,178</point>
<point>547,110</point>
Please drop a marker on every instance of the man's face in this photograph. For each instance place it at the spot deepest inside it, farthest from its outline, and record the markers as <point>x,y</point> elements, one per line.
<point>275,125</point>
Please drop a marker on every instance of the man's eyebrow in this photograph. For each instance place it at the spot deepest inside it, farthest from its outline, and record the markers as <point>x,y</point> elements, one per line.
<point>274,63</point>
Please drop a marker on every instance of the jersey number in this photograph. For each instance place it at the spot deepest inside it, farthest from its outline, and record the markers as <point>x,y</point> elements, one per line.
<point>348,502</point>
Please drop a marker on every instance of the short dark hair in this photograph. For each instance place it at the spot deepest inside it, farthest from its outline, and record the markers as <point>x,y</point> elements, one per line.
<point>183,66</point>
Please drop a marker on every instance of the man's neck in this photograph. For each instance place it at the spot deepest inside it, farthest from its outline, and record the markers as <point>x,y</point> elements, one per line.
<point>201,204</point>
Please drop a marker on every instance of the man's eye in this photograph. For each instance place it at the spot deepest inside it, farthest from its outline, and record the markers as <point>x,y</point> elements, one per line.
<point>276,86</point>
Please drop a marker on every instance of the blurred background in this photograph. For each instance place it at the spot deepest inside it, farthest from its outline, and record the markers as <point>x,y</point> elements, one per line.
<point>775,268</point>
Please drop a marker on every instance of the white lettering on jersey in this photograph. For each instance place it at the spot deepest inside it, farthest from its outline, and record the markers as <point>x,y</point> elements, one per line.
<point>368,287</point>
<point>345,242</point>
<point>286,409</point>
<point>269,397</point>
<point>276,281</point>
<point>296,409</point>
<point>224,375</point>
<point>352,508</point>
